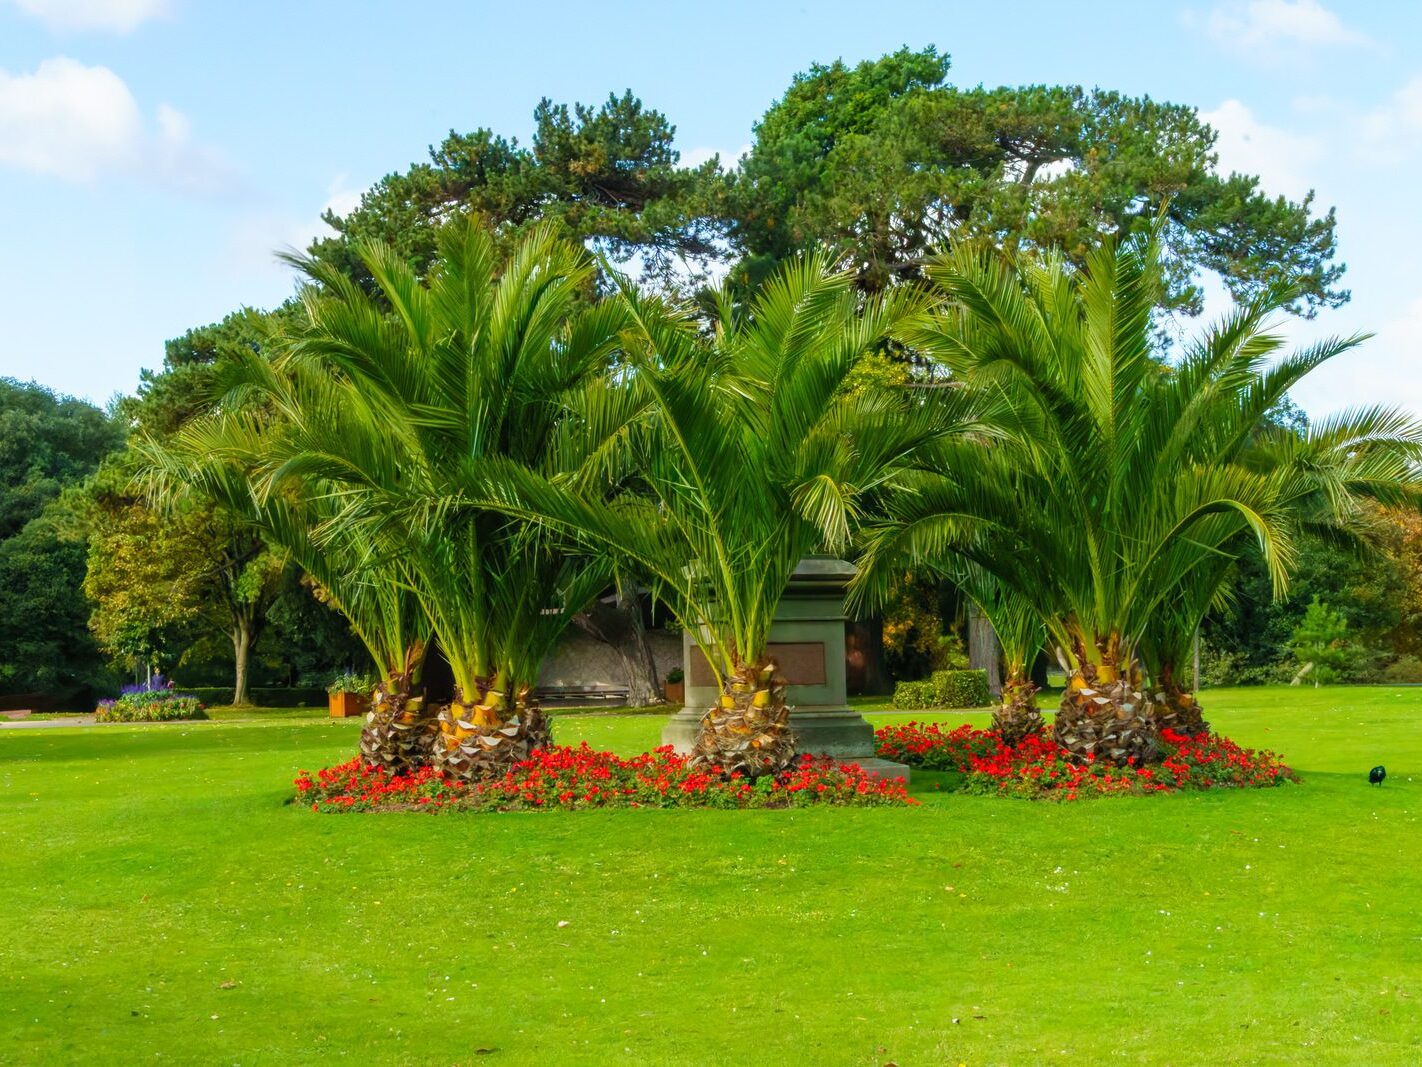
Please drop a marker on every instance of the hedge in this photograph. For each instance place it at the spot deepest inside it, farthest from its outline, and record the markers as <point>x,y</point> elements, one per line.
<point>262,697</point>
<point>944,689</point>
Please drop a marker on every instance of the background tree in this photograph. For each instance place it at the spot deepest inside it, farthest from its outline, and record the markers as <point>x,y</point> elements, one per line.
<point>1322,644</point>
<point>609,175</point>
<point>48,445</point>
<point>163,576</point>
<point>889,163</point>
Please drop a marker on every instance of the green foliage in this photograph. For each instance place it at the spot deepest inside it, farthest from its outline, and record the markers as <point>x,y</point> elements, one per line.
<point>748,453</point>
<point>913,696</point>
<point>48,445</point>
<point>262,696</point>
<point>1322,639</point>
<point>961,689</point>
<point>944,689</point>
<point>351,682</point>
<point>1106,455</point>
<point>47,442</point>
<point>889,163</point>
<point>608,174</point>
<point>151,706</point>
<point>370,428</point>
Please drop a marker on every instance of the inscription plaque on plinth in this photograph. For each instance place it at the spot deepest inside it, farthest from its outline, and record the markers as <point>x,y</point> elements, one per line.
<point>807,644</point>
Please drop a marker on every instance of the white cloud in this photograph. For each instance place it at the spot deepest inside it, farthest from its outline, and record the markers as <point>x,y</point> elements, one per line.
<point>79,123</point>
<point>1390,131</point>
<point>1382,370</point>
<point>694,157</point>
<point>1270,26</point>
<point>255,239</point>
<point>1282,160</point>
<point>120,16</point>
<point>340,198</point>
<point>68,120</point>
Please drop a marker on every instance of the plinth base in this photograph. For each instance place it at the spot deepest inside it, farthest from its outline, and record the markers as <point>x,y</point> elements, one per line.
<point>841,733</point>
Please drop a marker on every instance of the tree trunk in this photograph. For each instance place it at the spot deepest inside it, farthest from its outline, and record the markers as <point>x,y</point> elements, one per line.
<point>983,651</point>
<point>241,654</point>
<point>483,734</point>
<point>618,624</point>
<point>1106,714</point>
<point>748,731</point>
<point>1018,716</point>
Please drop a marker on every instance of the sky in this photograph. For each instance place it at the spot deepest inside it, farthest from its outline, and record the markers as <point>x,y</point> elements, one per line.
<point>154,154</point>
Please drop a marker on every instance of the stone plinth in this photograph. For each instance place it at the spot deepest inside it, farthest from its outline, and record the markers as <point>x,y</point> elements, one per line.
<point>807,642</point>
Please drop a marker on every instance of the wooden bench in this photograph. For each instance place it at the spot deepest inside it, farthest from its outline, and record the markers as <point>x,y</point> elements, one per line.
<point>574,695</point>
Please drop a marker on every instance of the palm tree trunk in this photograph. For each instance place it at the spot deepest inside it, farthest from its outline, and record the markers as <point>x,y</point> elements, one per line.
<point>482,738</point>
<point>399,732</point>
<point>1175,709</point>
<point>1105,712</point>
<point>1018,716</point>
<point>748,731</point>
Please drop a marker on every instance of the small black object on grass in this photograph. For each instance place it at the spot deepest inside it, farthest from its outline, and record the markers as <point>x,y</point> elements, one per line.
<point>1377,774</point>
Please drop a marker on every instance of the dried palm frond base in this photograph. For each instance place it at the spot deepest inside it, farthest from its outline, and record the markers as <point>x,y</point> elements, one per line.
<point>1018,716</point>
<point>1110,720</point>
<point>1175,710</point>
<point>398,734</point>
<point>748,731</point>
<point>475,743</point>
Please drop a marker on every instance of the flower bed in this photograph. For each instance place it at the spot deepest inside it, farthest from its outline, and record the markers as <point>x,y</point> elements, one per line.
<point>571,778</point>
<point>1040,768</point>
<point>151,702</point>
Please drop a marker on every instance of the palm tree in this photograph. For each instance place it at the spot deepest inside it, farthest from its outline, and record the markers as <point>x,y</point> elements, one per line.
<point>757,449</point>
<point>376,414</point>
<point>1128,485</point>
<point>217,454</point>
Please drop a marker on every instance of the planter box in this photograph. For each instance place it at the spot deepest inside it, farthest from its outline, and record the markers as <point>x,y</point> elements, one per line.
<point>348,705</point>
<point>675,692</point>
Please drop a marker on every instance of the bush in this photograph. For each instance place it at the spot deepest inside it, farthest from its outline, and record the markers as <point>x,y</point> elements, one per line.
<point>913,696</point>
<point>945,689</point>
<point>576,778</point>
<point>1406,670</point>
<point>351,682</point>
<point>961,689</point>
<point>150,702</point>
<point>263,697</point>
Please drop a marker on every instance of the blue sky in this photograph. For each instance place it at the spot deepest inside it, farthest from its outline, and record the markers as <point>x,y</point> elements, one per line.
<point>154,153</point>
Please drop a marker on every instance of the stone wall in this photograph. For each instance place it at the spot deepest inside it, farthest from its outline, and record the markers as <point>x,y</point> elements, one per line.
<point>578,660</point>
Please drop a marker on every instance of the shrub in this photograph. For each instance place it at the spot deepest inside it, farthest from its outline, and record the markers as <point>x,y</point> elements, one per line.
<point>1406,670</point>
<point>351,682</point>
<point>675,675</point>
<point>1039,768</point>
<point>945,689</point>
<point>575,778</point>
<point>913,696</point>
<point>262,696</point>
<point>150,702</point>
<point>961,689</point>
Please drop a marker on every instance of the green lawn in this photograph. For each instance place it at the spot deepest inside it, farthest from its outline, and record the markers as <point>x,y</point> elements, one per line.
<point>163,904</point>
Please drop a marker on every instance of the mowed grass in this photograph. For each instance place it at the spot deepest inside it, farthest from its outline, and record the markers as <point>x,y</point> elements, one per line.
<point>163,903</point>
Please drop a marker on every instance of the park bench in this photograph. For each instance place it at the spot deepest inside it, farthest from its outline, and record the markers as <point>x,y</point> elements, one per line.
<point>573,695</point>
